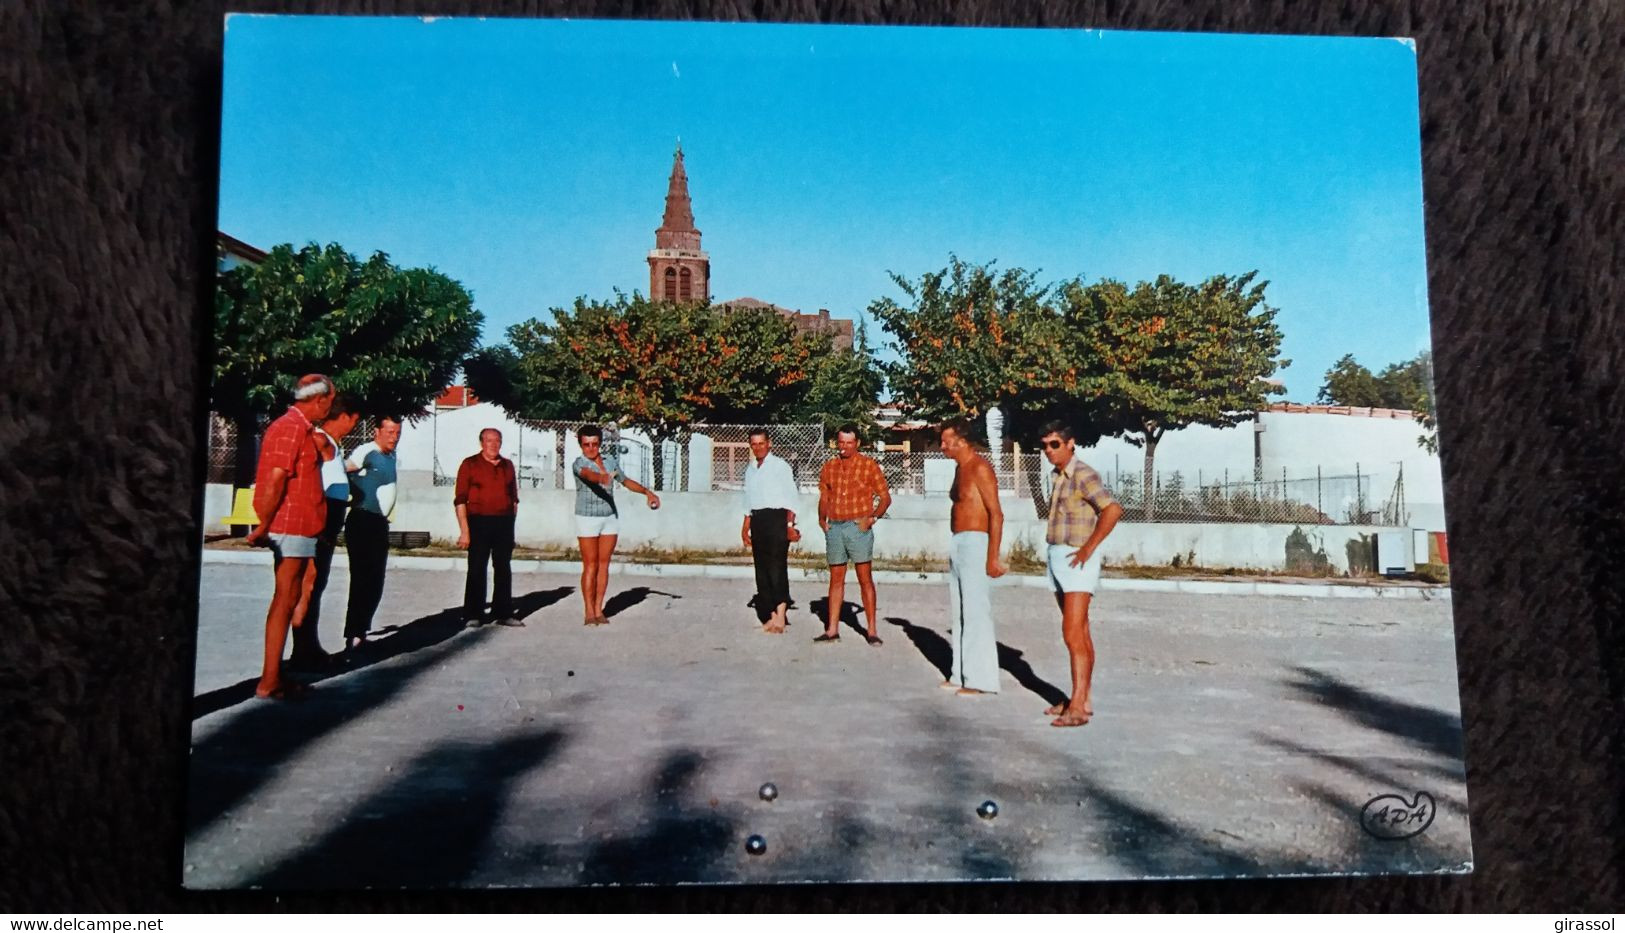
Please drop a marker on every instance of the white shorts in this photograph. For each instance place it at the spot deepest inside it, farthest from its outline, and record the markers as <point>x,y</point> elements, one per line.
<point>1069,579</point>
<point>292,546</point>
<point>591,526</point>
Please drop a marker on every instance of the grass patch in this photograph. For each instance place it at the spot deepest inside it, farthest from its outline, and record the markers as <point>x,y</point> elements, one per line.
<point>1024,558</point>
<point>1433,573</point>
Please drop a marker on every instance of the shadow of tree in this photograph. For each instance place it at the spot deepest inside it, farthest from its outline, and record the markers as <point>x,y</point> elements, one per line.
<point>234,760</point>
<point>685,844</point>
<point>628,598</point>
<point>1426,727</point>
<point>979,850</point>
<point>1372,769</point>
<point>447,801</point>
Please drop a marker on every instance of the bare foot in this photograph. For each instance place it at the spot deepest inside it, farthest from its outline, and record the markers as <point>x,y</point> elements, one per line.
<point>948,685</point>
<point>285,690</point>
<point>1060,709</point>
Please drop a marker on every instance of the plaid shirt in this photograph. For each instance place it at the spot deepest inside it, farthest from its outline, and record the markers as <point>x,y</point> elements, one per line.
<point>850,487</point>
<point>288,444</point>
<point>1075,504</point>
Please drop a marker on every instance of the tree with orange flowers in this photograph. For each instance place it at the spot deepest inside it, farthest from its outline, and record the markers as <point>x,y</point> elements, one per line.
<point>656,366</point>
<point>972,338</point>
<point>1175,354</point>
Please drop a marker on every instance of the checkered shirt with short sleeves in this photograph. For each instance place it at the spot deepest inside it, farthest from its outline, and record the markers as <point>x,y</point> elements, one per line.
<point>288,444</point>
<point>851,487</point>
<point>1075,504</point>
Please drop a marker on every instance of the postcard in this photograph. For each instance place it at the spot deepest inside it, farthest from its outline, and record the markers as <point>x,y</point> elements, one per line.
<point>674,452</point>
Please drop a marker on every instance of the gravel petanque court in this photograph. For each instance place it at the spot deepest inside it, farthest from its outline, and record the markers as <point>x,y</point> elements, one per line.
<point>1233,735</point>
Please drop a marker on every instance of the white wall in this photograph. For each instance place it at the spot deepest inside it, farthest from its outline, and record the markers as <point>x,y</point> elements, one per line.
<point>915,525</point>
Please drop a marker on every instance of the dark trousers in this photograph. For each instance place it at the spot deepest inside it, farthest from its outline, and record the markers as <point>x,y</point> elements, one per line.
<point>305,641</point>
<point>366,537</point>
<point>490,538</point>
<point>770,552</point>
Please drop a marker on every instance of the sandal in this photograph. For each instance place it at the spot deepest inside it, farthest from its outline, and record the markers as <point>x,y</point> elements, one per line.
<point>826,639</point>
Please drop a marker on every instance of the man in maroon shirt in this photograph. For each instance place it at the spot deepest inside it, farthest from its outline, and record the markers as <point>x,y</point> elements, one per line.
<point>292,508</point>
<point>487,501</point>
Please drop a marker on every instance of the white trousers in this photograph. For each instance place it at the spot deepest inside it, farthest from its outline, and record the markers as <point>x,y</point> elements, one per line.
<point>970,624</point>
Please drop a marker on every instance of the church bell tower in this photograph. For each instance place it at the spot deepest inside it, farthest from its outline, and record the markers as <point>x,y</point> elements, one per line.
<point>678,269</point>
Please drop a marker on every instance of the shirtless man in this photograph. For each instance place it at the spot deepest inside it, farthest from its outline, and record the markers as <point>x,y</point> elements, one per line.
<point>973,561</point>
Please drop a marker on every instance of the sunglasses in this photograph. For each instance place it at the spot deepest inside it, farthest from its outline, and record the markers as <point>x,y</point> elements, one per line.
<point>1054,445</point>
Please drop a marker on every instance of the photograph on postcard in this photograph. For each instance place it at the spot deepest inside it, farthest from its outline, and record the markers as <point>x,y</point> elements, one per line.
<point>658,453</point>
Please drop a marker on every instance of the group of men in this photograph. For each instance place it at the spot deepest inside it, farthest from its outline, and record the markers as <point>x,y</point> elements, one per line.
<point>853,496</point>
<point>307,489</point>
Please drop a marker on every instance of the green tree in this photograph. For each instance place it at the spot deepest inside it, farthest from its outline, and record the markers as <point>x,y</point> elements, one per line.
<point>391,338</point>
<point>655,366</point>
<point>1406,385</point>
<point>845,388</point>
<point>1349,383</point>
<point>1175,355</point>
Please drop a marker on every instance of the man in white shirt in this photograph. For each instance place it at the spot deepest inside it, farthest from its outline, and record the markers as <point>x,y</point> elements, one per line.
<point>769,528</point>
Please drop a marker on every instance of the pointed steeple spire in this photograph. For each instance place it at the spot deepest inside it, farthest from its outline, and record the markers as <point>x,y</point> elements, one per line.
<point>678,269</point>
<point>677,226</point>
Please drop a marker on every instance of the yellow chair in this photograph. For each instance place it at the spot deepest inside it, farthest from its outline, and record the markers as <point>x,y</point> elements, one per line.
<point>242,509</point>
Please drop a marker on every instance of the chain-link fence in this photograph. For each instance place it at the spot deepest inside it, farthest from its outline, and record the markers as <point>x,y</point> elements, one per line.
<point>705,458</point>
<point>223,437</point>
<point>1346,499</point>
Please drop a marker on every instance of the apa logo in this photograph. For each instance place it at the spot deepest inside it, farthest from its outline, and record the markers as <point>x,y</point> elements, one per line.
<point>1391,816</point>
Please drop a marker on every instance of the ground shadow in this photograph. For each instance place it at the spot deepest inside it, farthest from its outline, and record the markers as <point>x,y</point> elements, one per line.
<point>978,849</point>
<point>534,602</point>
<point>764,613</point>
<point>685,842</point>
<point>247,751</point>
<point>1015,663</point>
<point>931,646</point>
<point>626,599</point>
<point>1381,775</point>
<point>390,641</point>
<point>427,827</point>
<point>1432,729</point>
<point>849,614</point>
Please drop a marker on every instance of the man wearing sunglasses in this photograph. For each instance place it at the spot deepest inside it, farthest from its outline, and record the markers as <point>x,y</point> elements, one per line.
<point>1082,513</point>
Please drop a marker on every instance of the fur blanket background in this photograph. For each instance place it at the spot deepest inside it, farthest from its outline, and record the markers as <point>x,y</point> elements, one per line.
<point>109,157</point>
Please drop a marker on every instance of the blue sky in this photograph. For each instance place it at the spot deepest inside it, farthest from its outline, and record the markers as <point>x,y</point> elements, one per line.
<point>528,159</point>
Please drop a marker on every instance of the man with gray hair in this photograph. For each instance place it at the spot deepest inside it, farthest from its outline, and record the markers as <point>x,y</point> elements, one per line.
<point>291,504</point>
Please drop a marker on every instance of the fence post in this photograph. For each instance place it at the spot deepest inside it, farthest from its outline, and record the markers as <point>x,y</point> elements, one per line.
<point>1320,505</point>
<point>1359,497</point>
